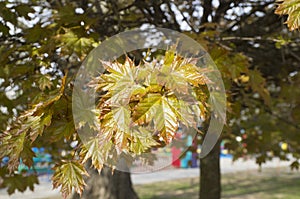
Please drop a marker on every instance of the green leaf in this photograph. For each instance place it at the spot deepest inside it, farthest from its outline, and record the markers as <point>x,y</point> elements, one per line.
<point>21,69</point>
<point>178,74</point>
<point>112,131</point>
<point>295,165</point>
<point>4,29</point>
<point>169,57</point>
<point>157,108</point>
<point>122,116</point>
<point>27,127</point>
<point>119,82</point>
<point>36,33</point>
<point>232,65</point>
<point>173,81</point>
<point>85,115</point>
<point>69,175</point>
<point>20,182</point>
<point>23,10</point>
<point>296,113</point>
<point>7,14</point>
<point>16,146</point>
<point>93,150</point>
<point>27,154</point>
<point>62,129</point>
<point>142,140</point>
<point>71,42</point>
<point>188,113</point>
<point>258,83</point>
<point>45,82</point>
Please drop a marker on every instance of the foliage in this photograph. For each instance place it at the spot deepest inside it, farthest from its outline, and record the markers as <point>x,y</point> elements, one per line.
<point>133,97</point>
<point>27,127</point>
<point>69,175</point>
<point>41,40</point>
<point>18,182</point>
<point>292,9</point>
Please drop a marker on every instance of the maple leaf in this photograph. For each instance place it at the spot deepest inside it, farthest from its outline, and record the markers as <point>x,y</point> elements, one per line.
<point>292,9</point>
<point>30,124</point>
<point>69,175</point>
<point>177,73</point>
<point>92,149</point>
<point>157,108</point>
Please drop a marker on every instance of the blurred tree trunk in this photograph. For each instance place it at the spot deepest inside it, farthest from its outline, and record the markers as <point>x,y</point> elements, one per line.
<point>210,175</point>
<point>108,186</point>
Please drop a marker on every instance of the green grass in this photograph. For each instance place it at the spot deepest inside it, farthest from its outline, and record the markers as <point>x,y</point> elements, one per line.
<point>268,184</point>
<point>182,188</point>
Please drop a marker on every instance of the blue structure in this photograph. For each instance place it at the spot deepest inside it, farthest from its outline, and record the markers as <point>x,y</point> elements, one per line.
<point>41,163</point>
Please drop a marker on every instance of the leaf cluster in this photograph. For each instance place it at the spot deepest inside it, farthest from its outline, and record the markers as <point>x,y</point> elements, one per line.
<point>292,9</point>
<point>142,106</point>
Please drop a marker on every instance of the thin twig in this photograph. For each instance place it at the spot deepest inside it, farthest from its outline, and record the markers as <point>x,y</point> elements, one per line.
<point>249,39</point>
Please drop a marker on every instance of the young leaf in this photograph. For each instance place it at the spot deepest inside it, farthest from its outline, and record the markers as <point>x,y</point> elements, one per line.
<point>140,105</point>
<point>16,146</point>
<point>122,116</point>
<point>120,81</point>
<point>292,9</point>
<point>142,140</point>
<point>92,150</point>
<point>181,72</point>
<point>71,42</point>
<point>157,108</point>
<point>45,82</point>
<point>69,175</point>
<point>15,140</point>
<point>61,129</point>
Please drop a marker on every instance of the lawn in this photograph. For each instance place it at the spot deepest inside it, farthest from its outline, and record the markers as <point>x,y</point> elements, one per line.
<point>268,184</point>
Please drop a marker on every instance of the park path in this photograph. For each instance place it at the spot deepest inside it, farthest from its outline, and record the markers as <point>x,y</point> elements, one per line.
<point>227,166</point>
<point>44,190</point>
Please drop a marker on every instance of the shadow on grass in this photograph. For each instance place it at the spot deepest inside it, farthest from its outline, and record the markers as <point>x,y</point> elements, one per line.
<point>269,187</point>
<point>242,185</point>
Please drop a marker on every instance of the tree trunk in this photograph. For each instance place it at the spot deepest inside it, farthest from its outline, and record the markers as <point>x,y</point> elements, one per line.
<point>210,175</point>
<point>108,186</point>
